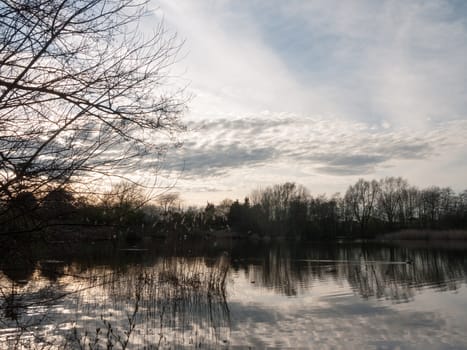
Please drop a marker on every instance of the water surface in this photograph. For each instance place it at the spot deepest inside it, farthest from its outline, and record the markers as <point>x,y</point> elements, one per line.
<point>234,294</point>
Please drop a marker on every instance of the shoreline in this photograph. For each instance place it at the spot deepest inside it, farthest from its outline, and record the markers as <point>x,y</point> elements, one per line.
<point>424,235</point>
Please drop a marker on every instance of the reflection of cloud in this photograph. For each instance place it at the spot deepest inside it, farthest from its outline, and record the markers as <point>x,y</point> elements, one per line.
<point>333,147</point>
<point>343,321</point>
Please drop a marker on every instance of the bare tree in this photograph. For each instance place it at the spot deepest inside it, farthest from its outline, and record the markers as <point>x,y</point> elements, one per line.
<point>275,201</point>
<point>124,195</point>
<point>390,197</point>
<point>169,201</point>
<point>409,205</point>
<point>361,200</point>
<point>83,93</point>
<point>430,205</point>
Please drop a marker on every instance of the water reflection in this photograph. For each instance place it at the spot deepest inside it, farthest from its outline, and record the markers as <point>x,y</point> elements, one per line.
<point>372,271</point>
<point>175,301</point>
<point>172,301</point>
<point>225,294</point>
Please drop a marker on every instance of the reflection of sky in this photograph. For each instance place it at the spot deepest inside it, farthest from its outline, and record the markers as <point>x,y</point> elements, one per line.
<point>325,310</point>
<point>329,315</point>
<point>82,300</point>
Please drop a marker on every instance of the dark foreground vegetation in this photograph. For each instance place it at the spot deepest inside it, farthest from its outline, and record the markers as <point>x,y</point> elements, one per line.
<point>367,210</point>
<point>85,100</point>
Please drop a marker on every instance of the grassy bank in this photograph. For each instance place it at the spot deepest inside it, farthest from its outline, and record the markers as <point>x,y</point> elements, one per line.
<point>413,235</point>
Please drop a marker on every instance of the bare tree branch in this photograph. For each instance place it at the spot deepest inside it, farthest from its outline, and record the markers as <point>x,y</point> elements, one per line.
<point>82,93</point>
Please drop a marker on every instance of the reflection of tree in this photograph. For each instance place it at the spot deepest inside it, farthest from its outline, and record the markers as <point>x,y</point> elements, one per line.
<point>179,301</point>
<point>277,270</point>
<point>381,272</point>
<point>171,302</point>
<point>398,281</point>
<point>25,308</point>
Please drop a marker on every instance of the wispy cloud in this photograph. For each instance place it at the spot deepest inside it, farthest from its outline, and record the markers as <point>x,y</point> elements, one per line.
<point>334,147</point>
<point>360,60</point>
<point>387,79</point>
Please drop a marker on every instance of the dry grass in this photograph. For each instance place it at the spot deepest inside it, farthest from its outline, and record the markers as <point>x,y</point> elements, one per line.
<point>426,235</point>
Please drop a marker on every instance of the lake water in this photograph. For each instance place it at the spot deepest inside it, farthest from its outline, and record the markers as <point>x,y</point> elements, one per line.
<point>234,295</point>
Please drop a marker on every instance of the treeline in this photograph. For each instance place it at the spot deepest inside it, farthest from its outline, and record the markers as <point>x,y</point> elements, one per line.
<point>366,209</point>
<point>123,212</point>
<point>289,210</point>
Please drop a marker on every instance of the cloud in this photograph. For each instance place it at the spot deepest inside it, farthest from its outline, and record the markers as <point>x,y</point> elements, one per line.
<point>216,160</point>
<point>229,66</point>
<point>349,165</point>
<point>384,83</point>
<point>398,61</point>
<point>329,146</point>
<point>367,61</point>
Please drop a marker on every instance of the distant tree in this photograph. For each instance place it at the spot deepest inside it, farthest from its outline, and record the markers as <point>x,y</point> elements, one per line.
<point>234,216</point>
<point>361,200</point>
<point>210,213</point>
<point>324,214</point>
<point>297,218</point>
<point>447,202</point>
<point>462,208</point>
<point>15,220</point>
<point>58,202</point>
<point>169,201</point>
<point>390,196</point>
<point>224,206</point>
<point>430,206</point>
<point>123,204</point>
<point>409,205</point>
<point>264,198</point>
<point>124,195</point>
<point>275,201</point>
<point>368,208</point>
<point>242,216</point>
<point>81,93</point>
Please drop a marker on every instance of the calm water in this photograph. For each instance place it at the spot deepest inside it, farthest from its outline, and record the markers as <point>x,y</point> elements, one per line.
<point>234,295</point>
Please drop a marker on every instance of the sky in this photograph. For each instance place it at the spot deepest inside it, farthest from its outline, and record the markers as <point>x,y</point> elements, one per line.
<point>320,93</point>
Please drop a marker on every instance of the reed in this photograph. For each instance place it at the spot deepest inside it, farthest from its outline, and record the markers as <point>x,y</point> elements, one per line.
<point>426,235</point>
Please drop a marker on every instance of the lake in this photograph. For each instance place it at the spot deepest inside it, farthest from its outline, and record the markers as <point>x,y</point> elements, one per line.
<point>234,294</point>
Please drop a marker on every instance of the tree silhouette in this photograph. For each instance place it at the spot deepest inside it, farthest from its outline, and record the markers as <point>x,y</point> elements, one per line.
<point>361,199</point>
<point>390,197</point>
<point>83,94</point>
